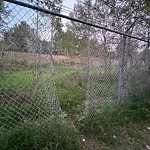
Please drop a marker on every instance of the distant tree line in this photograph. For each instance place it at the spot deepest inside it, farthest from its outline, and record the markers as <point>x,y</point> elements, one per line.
<point>76,38</point>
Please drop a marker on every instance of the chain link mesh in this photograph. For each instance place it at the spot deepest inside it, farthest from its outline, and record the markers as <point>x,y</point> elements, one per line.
<point>27,87</point>
<point>42,76</point>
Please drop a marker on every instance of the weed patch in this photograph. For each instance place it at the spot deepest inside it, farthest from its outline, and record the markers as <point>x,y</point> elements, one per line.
<point>118,125</point>
<point>50,135</point>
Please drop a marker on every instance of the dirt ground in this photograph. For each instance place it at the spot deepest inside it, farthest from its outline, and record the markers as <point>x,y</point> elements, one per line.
<point>44,58</point>
<point>142,143</point>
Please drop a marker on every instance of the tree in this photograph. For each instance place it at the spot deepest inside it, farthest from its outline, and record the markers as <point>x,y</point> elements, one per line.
<point>126,16</point>
<point>19,38</point>
<point>45,47</point>
<point>96,14</point>
<point>69,43</point>
<point>82,11</point>
<point>54,21</point>
<point>3,14</point>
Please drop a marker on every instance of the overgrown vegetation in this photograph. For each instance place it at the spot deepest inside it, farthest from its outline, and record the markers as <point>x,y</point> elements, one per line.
<point>50,135</point>
<point>98,67</point>
<point>120,127</point>
<point>26,121</point>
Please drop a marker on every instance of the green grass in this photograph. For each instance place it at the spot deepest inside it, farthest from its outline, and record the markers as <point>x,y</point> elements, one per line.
<point>18,84</point>
<point>117,125</point>
<point>15,113</point>
<point>50,135</point>
<point>71,92</point>
<point>26,119</point>
<point>22,100</point>
<point>13,65</point>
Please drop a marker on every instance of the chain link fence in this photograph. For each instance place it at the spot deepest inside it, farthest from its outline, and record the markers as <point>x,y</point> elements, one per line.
<point>43,73</point>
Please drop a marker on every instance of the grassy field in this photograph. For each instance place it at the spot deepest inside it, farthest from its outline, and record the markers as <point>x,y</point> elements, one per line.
<point>26,120</point>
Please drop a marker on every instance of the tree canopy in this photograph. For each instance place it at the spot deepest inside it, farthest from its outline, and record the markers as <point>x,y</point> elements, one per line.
<point>19,37</point>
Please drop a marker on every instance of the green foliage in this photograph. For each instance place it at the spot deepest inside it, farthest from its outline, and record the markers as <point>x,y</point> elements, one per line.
<point>19,102</point>
<point>70,43</point>
<point>12,85</point>
<point>71,100</point>
<point>4,12</point>
<point>18,109</point>
<point>53,5</point>
<point>82,11</point>
<point>19,38</point>
<point>21,137</point>
<point>47,135</point>
<point>15,113</point>
<point>27,119</point>
<point>147,6</point>
<point>70,91</point>
<point>13,65</point>
<point>112,121</point>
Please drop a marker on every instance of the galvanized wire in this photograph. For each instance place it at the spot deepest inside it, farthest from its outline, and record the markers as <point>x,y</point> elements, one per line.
<point>32,74</point>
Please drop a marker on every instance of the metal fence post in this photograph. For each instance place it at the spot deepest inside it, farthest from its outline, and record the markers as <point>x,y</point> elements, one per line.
<point>121,85</point>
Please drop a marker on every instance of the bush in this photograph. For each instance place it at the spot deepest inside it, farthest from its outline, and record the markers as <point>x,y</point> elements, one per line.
<point>50,135</point>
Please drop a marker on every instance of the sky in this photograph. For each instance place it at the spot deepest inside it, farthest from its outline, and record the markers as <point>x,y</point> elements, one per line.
<point>69,3</point>
<point>18,15</point>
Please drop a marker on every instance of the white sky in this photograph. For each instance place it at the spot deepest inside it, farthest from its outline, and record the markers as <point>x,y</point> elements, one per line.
<point>69,3</point>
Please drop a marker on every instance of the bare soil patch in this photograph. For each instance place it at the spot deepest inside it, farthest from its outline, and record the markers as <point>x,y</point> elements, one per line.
<point>44,58</point>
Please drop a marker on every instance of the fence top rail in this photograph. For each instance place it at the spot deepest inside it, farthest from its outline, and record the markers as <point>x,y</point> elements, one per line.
<point>73,19</point>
